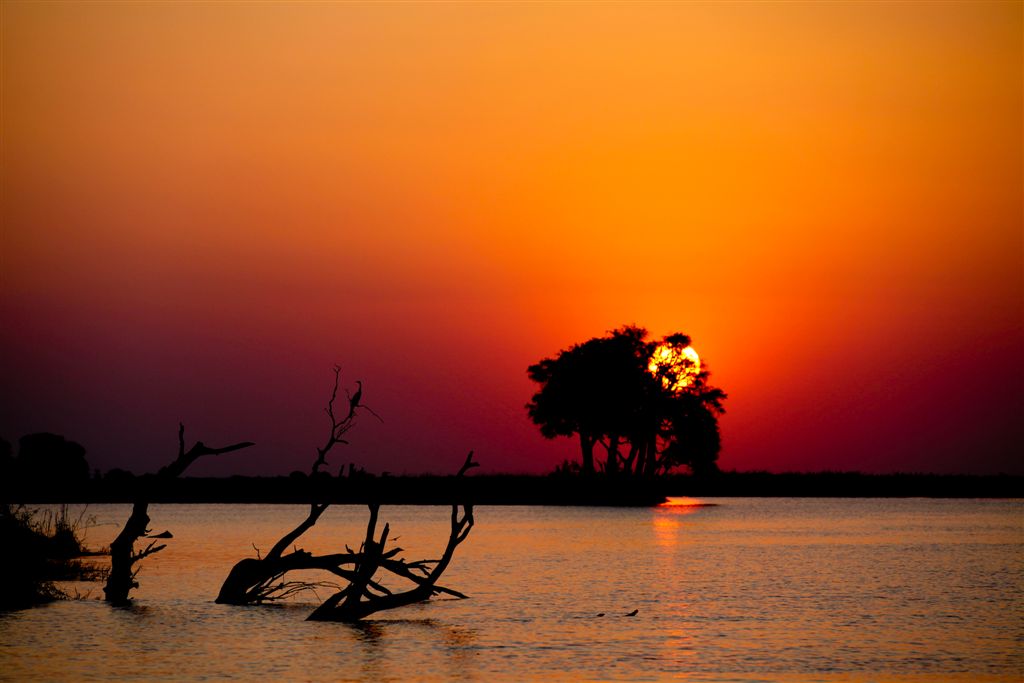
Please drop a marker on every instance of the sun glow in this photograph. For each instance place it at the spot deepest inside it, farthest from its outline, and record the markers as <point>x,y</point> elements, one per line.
<point>682,502</point>
<point>677,367</point>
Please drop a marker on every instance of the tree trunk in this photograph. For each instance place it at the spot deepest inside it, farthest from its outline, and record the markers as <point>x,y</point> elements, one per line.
<point>255,580</point>
<point>611,466</point>
<point>123,557</point>
<point>631,466</point>
<point>121,579</point>
<point>587,448</point>
<point>649,460</point>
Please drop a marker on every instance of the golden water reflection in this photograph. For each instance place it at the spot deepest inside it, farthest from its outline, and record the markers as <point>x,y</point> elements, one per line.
<point>683,504</point>
<point>666,520</point>
<point>678,651</point>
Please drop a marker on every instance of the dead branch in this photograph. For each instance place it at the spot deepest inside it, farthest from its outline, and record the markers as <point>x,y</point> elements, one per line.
<point>123,557</point>
<point>263,579</point>
<point>259,580</point>
<point>339,427</point>
<point>357,600</point>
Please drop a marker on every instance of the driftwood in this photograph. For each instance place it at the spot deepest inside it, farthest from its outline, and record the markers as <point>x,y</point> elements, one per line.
<point>123,556</point>
<point>364,595</point>
<point>261,579</point>
<point>266,579</point>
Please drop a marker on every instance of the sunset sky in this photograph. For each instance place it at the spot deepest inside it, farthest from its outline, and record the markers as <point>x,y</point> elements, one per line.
<point>207,205</point>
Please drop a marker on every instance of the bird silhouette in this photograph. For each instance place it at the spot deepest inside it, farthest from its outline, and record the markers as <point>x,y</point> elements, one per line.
<point>632,614</point>
<point>354,401</point>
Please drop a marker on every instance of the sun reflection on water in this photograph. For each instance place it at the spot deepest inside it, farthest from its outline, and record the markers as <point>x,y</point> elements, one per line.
<point>665,528</point>
<point>666,518</point>
<point>682,502</point>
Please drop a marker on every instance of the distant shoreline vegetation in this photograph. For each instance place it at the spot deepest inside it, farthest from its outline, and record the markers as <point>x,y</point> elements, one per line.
<point>119,486</point>
<point>51,469</point>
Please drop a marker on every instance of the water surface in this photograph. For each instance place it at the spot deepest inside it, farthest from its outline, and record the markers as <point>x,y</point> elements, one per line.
<point>746,590</point>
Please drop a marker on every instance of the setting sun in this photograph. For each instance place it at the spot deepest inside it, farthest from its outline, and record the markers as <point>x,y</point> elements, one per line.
<point>677,367</point>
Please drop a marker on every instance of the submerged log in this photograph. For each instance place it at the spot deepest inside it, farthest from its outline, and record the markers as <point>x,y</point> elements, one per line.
<point>267,578</point>
<point>262,579</point>
<point>365,596</point>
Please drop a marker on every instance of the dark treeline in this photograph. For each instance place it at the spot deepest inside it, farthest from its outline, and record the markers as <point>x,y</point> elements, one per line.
<point>505,489</point>
<point>51,469</point>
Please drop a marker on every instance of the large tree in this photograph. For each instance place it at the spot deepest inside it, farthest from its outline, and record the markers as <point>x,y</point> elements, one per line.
<point>647,403</point>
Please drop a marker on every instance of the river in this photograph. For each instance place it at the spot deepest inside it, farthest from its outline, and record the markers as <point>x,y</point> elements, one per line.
<point>745,589</point>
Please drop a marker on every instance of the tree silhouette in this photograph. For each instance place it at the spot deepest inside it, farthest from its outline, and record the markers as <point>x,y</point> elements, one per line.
<point>123,557</point>
<point>690,435</point>
<point>6,460</point>
<point>261,579</point>
<point>52,458</point>
<point>268,578</point>
<point>647,403</point>
<point>591,390</point>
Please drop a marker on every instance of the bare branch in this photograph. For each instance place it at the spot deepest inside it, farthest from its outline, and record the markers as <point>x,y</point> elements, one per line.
<point>371,412</point>
<point>121,579</point>
<point>469,464</point>
<point>254,580</point>
<point>315,510</point>
<point>262,579</point>
<point>338,427</point>
<point>350,605</point>
<point>151,549</point>
<point>181,463</point>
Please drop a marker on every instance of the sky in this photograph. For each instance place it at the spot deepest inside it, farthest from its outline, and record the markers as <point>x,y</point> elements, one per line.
<point>206,206</point>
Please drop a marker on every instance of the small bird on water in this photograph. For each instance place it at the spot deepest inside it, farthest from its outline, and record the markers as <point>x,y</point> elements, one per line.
<point>632,614</point>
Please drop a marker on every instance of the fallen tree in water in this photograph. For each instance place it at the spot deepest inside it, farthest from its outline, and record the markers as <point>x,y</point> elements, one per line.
<point>262,579</point>
<point>364,595</point>
<point>268,578</point>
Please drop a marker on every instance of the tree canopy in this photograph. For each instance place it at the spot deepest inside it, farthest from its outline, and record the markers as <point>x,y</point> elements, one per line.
<point>647,403</point>
<point>51,457</point>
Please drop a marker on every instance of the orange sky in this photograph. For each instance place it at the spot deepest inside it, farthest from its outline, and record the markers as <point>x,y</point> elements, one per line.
<point>206,205</point>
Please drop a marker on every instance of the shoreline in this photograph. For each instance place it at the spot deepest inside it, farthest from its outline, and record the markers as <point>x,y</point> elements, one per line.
<point>504,489</point>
